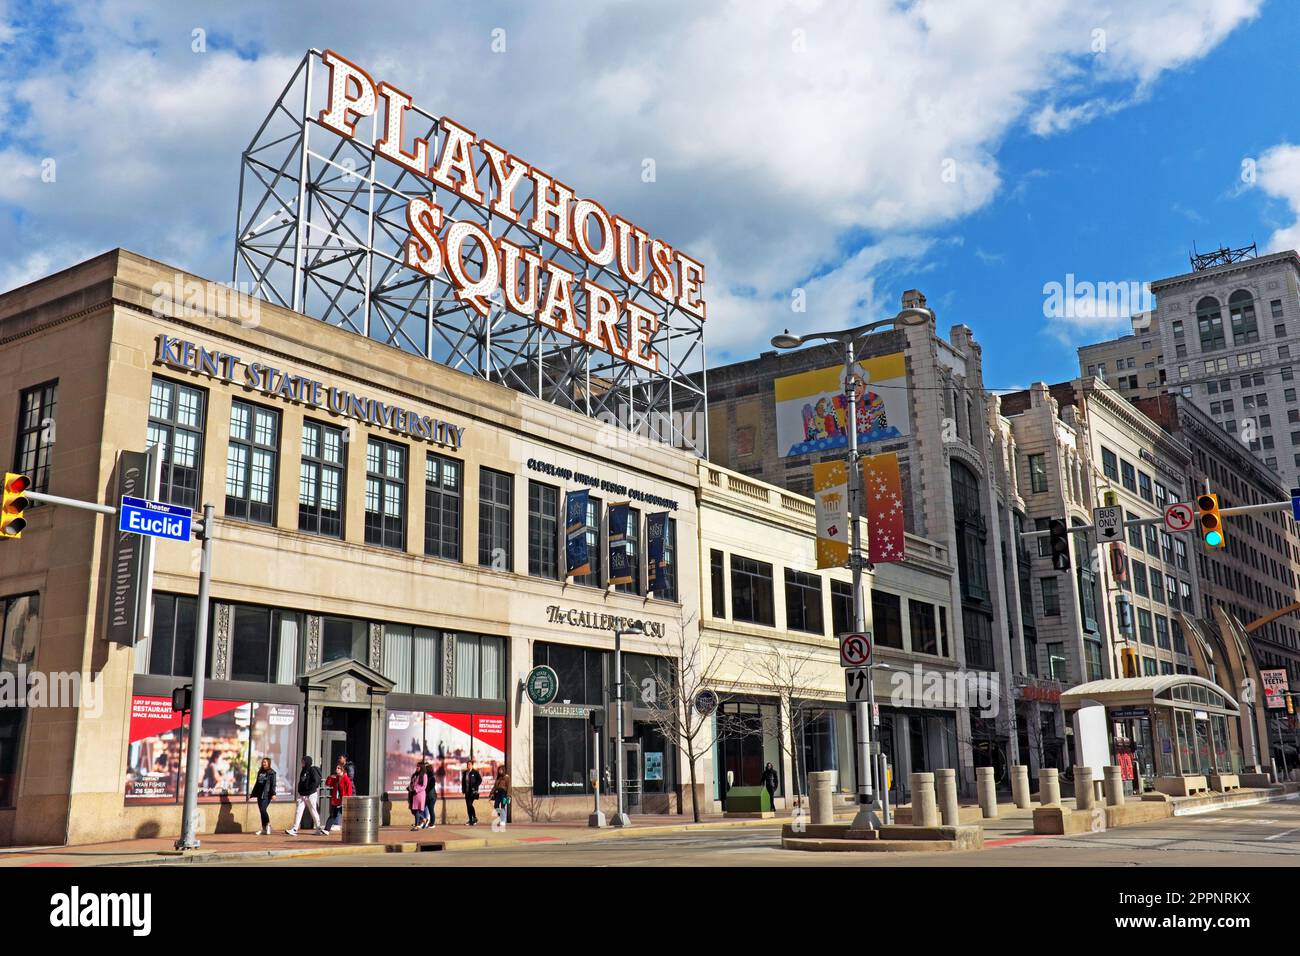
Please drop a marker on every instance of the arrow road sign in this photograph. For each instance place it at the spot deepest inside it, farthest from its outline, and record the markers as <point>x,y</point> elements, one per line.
<point>855,684</point>
<point>1179,517</point>
<point>855,649</point>
<point>1107,522</point>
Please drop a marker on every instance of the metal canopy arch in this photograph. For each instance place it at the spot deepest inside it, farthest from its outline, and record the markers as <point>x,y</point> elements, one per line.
<point>321,229</point>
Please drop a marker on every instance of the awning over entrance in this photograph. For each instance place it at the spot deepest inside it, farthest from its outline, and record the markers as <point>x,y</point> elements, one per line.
<point>1172,688</point>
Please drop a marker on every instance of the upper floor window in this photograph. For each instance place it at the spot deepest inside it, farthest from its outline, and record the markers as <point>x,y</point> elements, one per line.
<point>842,607</point>
<point>495,509</point>
<point>543,530</point>
<point>1109,464</point>
<point>594,553</point>
<point>717,583</point>
<point>36,434</point>
<point>632,544</point>
<point>668,573</point>
<point>1241,312</point>
<point>751,591</point>
<point>803,602</point>
<point>1038,473</point>
<point>1128,475</point>
<point>176,414</point>
<point>385,494</point>
<point>250,462</point>
<point>321,480</point>
<point>442,504</point>
<point>1209,321</point>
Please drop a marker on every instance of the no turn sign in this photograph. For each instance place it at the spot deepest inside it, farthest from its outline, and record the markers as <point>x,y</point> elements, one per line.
<point>855,649</point>
<point>1178,517</point>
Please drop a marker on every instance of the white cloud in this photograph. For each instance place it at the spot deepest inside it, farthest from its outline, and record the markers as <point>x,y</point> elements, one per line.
<point>780,166</point>
<point>1278,175</point>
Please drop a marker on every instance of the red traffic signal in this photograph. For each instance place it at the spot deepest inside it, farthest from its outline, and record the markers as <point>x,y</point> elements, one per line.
<point>15,502</point>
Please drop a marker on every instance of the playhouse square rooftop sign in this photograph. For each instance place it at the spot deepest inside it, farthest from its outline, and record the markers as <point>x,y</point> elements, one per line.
<point>477,265</point>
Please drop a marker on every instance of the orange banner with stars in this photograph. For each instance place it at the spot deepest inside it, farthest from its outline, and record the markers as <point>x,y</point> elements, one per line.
<point>882,486</point>
<point>831,493</point>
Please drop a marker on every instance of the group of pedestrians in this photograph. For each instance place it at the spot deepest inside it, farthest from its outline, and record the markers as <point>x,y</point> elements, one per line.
<point>340,784</point>
<point>422,792</point>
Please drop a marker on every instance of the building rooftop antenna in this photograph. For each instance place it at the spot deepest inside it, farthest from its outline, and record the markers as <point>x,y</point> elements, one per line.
<point>1221,256</point>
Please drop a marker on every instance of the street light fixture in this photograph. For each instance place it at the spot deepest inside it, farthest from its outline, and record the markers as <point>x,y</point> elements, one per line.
<point>633,630</point>
<point>869,800</point>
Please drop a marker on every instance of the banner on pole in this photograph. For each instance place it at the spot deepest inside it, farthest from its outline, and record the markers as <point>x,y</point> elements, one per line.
<point>620,564</point>
<point>882,486</point>
<point>831,495</point>
<point>656,530</point>
<point>577,558</point>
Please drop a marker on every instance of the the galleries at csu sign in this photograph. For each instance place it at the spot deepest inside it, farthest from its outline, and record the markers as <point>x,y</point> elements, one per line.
<point>483,268</point>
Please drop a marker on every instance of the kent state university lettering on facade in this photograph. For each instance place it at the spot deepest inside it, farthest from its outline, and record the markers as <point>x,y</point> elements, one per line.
<point>269,380</point>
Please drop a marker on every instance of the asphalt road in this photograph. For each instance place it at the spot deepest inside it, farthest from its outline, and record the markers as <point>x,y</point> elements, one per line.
<point>1263,835</point>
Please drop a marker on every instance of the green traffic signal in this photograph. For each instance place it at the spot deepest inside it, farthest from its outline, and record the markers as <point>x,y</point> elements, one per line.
<point>1213,539</point>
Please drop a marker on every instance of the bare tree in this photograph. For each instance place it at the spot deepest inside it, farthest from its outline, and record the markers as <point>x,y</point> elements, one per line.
<point>789,673</point>
<point>693,668</point>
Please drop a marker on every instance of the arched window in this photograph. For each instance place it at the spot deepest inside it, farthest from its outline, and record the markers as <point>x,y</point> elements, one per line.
<point>1209,320</point>
<point>1241,311</point>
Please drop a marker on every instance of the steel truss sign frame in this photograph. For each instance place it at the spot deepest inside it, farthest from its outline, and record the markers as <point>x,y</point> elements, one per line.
<point>322,228</point>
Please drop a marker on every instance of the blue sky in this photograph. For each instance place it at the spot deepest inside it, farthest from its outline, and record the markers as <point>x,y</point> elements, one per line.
<point>800,146</point>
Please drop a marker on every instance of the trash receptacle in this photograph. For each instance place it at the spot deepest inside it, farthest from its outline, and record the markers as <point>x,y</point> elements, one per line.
<point>361,820</point>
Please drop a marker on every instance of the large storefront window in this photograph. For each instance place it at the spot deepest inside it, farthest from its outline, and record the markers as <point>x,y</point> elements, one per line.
<point>563,757</point>
<point>342,638</point>
<point>20,631</point>
<point>170,651</point>
<point>411,659</point>
<point>480,665</point>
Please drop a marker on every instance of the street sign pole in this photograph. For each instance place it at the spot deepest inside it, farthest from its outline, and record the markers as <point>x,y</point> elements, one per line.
<point>189,820</point>
<point>866,818</point>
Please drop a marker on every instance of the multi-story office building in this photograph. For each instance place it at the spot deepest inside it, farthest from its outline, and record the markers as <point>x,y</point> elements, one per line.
<point>1132,364</point>
<point>1080,442</point>
<point>773,417</point>
<point>1254,576</point>
<point>388,565</point>
<point>769,625</point>
<point>1228,333</point>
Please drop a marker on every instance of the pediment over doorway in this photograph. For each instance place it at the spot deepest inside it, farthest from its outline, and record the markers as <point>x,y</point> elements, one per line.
<point>345,682</point>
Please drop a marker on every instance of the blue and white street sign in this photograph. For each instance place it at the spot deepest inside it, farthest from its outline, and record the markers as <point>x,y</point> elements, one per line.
<point>154,519</point>
<point>1295,503</point>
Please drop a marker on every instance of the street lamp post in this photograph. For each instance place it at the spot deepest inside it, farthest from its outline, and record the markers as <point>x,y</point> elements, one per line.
<point>868,795</point>
<point>635,630</point>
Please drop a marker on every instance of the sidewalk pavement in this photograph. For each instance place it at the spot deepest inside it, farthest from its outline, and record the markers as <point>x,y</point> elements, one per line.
<point>444,837</point>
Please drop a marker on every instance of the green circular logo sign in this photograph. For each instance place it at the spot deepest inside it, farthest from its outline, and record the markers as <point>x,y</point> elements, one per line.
<point>542,684</point>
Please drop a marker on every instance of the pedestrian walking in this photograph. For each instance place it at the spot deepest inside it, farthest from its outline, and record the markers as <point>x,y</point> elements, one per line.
<point>470,781</point>
<point>340,784</point>
<point>264,793</point>
<point>770,781</point>
<point>501,795</point>
<point>309,781</point>
<point>418,788</point>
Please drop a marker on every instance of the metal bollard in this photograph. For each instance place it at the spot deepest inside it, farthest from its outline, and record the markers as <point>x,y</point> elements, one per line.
<point>986,789</point>
<point>1049,787</point>
<point>819,796</point>
<point>925,810</point>
<point>946,787</point>
<point>1113,784</point>
<point>1020,786</point>
<point>1083,795</point>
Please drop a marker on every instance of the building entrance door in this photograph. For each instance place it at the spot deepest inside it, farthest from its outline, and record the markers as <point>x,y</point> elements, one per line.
<point>632,777</point>
<point>346,731</point>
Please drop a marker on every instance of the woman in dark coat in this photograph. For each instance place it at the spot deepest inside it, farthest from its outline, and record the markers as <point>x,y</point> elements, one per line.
<point>264,793</point>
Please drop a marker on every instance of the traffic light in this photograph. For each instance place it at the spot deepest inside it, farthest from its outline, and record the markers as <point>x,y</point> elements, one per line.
<point>1290,704</point>
<point>12,521</point>
<point>1211,523</point>
<point>1059,534</point>
<point>1129,660</point>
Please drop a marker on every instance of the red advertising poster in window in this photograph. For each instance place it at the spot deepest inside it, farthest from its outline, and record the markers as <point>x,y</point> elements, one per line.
<point>235,735</point>
<point>448,741</point>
